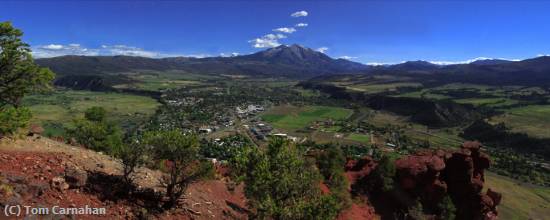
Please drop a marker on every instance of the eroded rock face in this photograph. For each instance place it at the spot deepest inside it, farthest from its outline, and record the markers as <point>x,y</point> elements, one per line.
<point>430,175</point>
<point>419,175</point>
<point>465,178</point>
<point>356,172</point>
<point>359,169</point>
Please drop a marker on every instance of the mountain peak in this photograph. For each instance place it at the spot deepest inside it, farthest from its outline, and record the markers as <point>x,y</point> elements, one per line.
<point>301,57</point>
<point>418,65</point>
<point>291,54</point>
<point>291,46</point>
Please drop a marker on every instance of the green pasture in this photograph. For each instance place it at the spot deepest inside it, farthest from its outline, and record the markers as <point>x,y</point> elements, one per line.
<point>62,107</point>
<point>519,200</point>
<point>362,138</point>
<point>490,102</point>
<point>533,120</point>
<point>158,82</point>
<point>293,118</point>
<point>383,87</point>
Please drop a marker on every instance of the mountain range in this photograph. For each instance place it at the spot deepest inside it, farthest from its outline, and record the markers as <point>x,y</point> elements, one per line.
<point>295,61</point>
<point>288,61</point>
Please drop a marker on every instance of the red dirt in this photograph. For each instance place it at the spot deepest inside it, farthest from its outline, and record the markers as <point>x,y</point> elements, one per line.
<point>38,169</point>
<point>358,212</point>
<point>356,170</point>
<point>28,167</point>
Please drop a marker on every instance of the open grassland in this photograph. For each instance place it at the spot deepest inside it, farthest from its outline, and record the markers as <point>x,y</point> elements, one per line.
<point>293,118</point>
<point>490,102</point>
<point>519,201</point>
<point>158,82</point>
<point>378,88</point>
<point>533,120</point>
<point>361,138</point>
<point>61,107</point>
<point>445,138</point>
<point>477,95</point>
<point>424,93</point>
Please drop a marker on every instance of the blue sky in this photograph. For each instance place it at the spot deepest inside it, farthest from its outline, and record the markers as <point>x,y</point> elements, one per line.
<point>364,31</point>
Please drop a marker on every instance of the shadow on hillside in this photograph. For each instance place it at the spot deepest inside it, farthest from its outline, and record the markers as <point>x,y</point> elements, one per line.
<point>113,188</point>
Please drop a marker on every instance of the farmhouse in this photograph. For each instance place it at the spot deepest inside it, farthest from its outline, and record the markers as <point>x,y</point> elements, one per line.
<point>205,130</point>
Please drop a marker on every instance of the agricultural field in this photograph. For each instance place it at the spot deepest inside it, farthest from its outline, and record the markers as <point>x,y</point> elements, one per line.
<point>378,88</point>
<point>519,200</point>
<point>60,108</point>
<point>424,93</point>
<point>361,138</point>
<point>159,82</point>
<point>533,120</point>
<point>489,102</point>
<point>294,118</point>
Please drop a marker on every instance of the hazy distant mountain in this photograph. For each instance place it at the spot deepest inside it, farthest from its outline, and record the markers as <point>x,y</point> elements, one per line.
<point>491,62</point>
<point>418,65</point>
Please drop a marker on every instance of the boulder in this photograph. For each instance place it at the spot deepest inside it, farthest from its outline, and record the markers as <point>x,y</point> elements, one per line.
<point>59,183</point>
<point>35,130</point>
<point>76,177</point>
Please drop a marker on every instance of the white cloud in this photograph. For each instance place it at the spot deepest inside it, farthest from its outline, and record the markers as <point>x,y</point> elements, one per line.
<point>275,36</point>
<point>268,40</point>
<point>347,57</point>
<point>543,55</point>
<point>322,49</point>
<point>130,51</point>
<point>272,40</point>
<point>52,47</point>
<point>54,50</point>
<point>299,14</point>
<point>285,30</point>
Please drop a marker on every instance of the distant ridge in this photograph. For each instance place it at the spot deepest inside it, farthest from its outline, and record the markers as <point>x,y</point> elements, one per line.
<point>491,62</point>
<point>299,62</point>
<point>293,61</point>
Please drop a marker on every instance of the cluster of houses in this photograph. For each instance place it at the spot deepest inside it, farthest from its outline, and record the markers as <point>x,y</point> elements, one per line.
<point>219,122</point>
<point>260,130</point>
<point>250,110</point>
<point>185,101</point>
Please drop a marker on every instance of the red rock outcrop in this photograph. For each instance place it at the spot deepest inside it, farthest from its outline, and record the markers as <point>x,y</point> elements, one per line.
<point>465,177</point>
<point>419,175</point>
<point>430,175</point>
<point>358,169</point>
